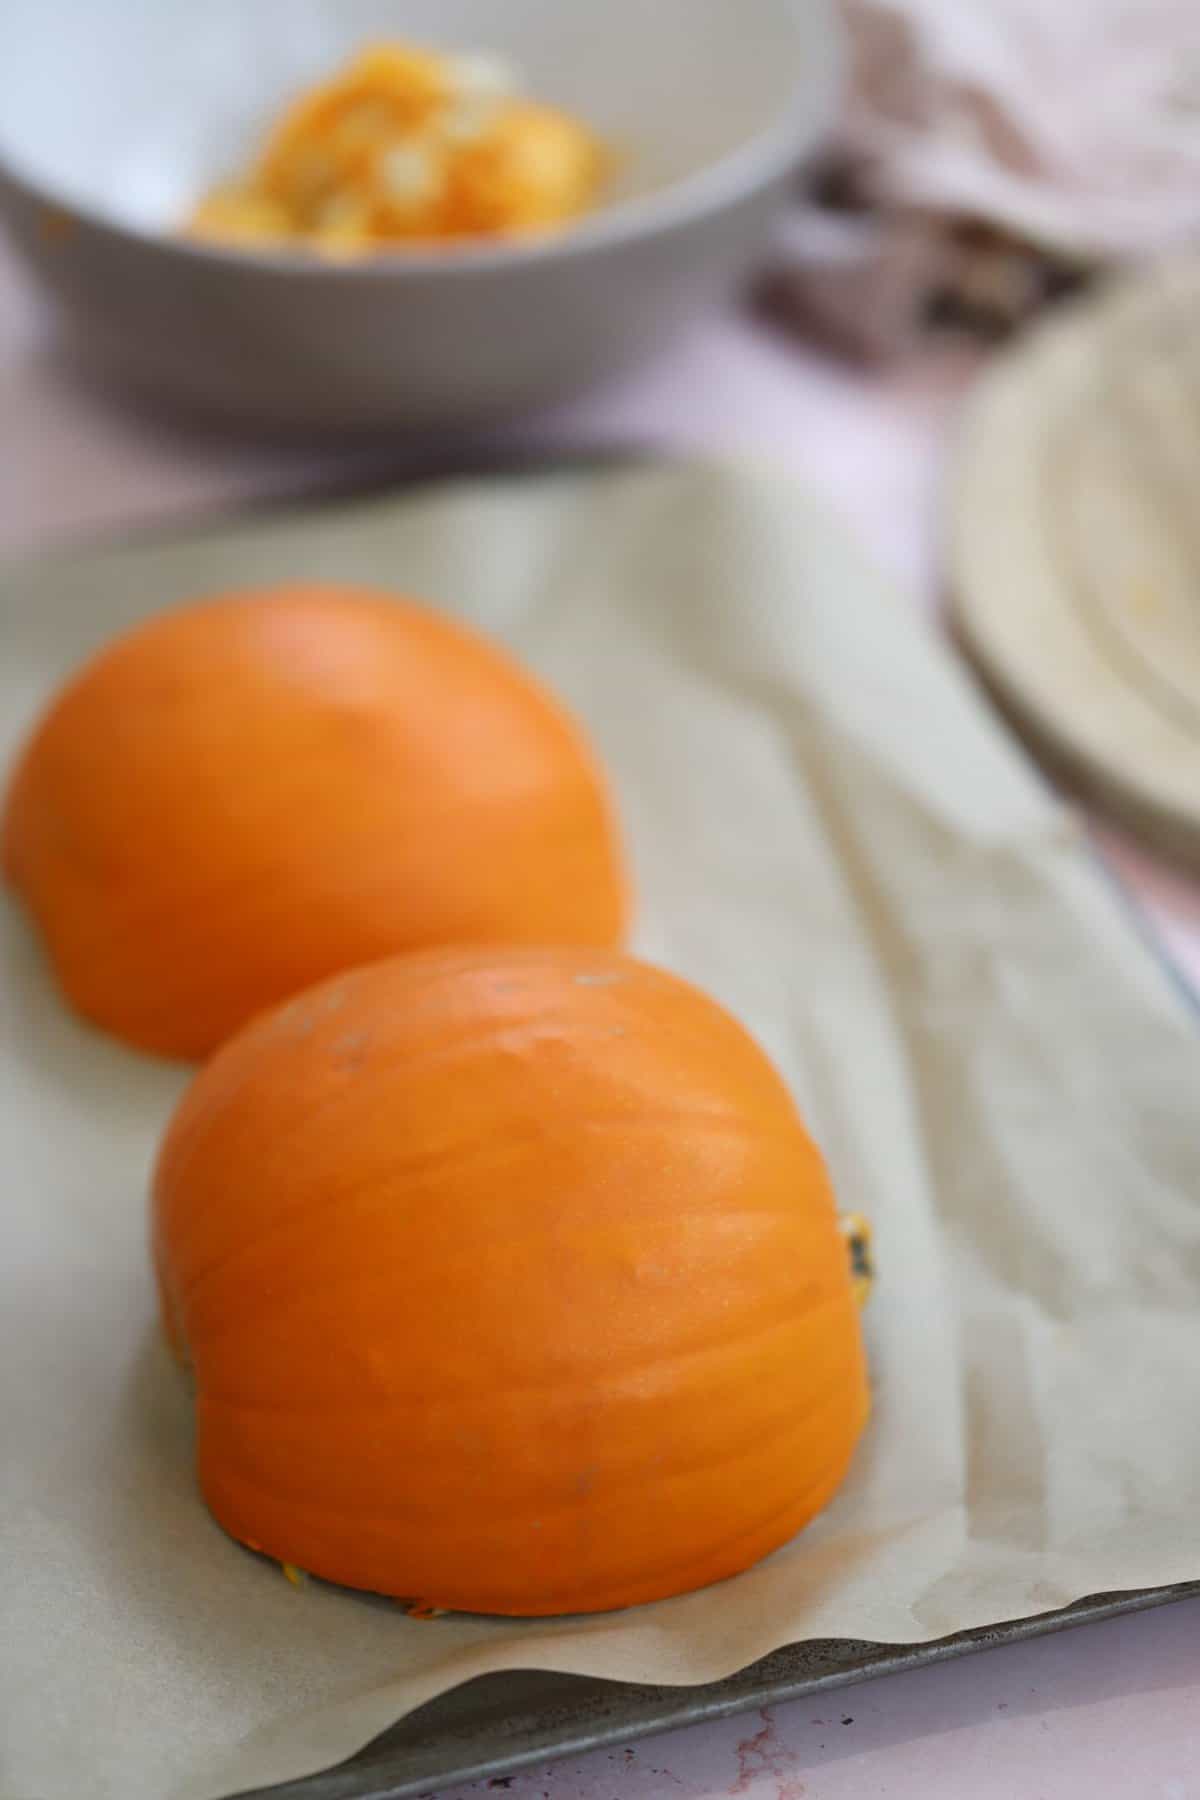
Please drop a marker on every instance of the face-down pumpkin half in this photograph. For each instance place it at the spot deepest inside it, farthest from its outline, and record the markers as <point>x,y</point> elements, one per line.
<point>511,1282</point>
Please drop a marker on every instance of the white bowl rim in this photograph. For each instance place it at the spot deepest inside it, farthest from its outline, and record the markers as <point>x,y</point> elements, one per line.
<point>712,187</point>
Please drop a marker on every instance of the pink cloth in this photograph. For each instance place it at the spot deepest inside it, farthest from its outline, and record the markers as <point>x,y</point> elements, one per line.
<point>1075,123</point>
<point>993,151</point>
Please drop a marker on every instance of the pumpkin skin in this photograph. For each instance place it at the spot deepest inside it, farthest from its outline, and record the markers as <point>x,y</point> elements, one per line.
<point>244,795</point>
<point>511,1282</point>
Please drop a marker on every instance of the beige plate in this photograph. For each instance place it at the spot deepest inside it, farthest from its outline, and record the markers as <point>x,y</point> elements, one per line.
<point>1075,550</point>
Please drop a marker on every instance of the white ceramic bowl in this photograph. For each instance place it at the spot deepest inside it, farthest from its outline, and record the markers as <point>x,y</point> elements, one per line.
<point>117,113</point>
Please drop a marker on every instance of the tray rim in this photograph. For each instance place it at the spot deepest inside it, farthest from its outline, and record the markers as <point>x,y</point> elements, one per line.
<point>606,1714</point>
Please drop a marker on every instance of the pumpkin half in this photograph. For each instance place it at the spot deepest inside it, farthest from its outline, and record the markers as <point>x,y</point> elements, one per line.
<point>244,795</point>
<point>511,1282</point>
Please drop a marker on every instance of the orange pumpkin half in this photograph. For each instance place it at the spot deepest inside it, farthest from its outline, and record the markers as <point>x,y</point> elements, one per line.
<point>511,1282</point>
<point>244,795</point>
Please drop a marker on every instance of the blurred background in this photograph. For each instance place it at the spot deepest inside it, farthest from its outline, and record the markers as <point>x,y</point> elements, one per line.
<point>934,260</point>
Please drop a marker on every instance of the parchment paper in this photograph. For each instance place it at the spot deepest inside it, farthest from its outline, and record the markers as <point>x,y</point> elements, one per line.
<point>829,830</point>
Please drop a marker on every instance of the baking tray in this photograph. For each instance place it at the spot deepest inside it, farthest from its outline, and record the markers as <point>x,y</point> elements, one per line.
<point>498,1724</point>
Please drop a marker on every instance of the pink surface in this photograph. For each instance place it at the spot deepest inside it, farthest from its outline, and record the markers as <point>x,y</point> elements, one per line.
<point>1106,1710</point>
<point>1109,1709</point>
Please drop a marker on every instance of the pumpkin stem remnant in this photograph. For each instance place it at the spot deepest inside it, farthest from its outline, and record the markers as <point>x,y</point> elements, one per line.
<point>421,1609</point>
<point>859,1241</point>
<point>296,1576</point>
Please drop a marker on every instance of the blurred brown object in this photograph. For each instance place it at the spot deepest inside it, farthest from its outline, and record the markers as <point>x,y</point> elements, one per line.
<point>871,282</point>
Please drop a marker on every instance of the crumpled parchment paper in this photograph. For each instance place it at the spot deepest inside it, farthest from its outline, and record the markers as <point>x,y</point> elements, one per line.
<point>832,833</point>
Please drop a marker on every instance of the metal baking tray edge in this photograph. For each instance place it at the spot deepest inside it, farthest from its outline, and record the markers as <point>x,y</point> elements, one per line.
<point>498,1724</point>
